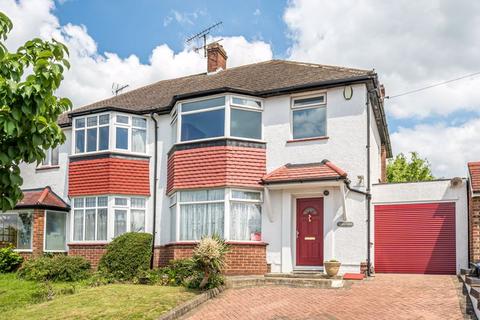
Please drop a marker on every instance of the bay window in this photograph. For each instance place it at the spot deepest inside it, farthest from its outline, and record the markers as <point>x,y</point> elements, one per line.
<point>99,133</point>
<point>129,215</point>
<point>231,214</point>
<point>225,116</point>
<point>16,229</point>
<point>90,218</point>
<point>55,231</point>
<point>309,117</point>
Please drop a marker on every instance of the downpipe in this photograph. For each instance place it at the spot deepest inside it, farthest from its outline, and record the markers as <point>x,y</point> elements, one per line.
<point>152,258</point>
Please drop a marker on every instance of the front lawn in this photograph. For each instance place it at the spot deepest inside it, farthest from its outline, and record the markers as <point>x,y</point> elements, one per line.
<point>115,301</point>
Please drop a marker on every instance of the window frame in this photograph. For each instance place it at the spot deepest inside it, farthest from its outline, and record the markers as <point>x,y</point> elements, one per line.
<point>176,115</point>
<point>175,202</point>
<point>84,208</point>
<point>112,134</point>
<point>293,108</point>
<point>45,231</point>
<point>49,156</point>
<point>17,213</point>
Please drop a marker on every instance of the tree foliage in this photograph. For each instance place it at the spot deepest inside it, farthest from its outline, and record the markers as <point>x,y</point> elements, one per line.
<point>28,107</point>
<point>401,169</point>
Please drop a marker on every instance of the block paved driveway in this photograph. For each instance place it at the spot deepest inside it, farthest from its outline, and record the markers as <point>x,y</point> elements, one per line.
<point>385,297</point>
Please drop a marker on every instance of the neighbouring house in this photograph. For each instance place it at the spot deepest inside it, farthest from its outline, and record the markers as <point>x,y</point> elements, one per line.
<point>285,160</point>
<point>474,211</point>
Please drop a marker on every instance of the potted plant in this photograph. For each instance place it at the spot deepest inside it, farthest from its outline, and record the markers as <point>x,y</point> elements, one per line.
<point>331,267</point>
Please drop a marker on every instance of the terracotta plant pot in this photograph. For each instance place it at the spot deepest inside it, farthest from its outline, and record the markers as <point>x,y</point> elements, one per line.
<point>332,267</point>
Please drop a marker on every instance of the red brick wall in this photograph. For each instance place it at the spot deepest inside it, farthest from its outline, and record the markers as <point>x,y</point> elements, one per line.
<point>474,217</point>
<point>242,259</point>
<point>38,231</point>
<point>216,166</point>
<point>90,251</point>
<point>109,176</point>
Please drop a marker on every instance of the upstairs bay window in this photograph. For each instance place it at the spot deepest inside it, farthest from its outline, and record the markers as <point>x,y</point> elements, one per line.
<point>225,116</point>
<point>113,131</point>
<point>309,117</point>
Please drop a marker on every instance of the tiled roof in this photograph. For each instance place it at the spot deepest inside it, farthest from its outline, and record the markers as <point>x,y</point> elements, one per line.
<point>474,171</point>
<point>261,78</point>
<point>42,198</point>
<point>324,170</point>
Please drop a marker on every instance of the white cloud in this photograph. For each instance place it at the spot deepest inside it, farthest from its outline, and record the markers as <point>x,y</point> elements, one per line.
<point>448,148</point>
<point>92,73</point>
<point>257,12</point>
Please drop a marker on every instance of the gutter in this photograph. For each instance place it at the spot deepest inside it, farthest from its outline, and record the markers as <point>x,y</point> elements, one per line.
<point>155,156</point>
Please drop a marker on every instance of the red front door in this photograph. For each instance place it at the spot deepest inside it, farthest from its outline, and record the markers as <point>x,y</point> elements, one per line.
<point>310,232</point>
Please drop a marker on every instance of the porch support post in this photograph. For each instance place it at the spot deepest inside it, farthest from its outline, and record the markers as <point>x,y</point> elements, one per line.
<point>287,232</point>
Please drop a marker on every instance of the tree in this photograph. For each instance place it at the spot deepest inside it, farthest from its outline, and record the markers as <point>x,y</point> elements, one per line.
<point>28,107</point>
<point>402,170</point>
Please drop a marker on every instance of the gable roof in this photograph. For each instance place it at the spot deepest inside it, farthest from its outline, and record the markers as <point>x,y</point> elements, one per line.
<point>474,172</point>
<point>305,172</point>
<point>263,79</point>
<point>42,198</point>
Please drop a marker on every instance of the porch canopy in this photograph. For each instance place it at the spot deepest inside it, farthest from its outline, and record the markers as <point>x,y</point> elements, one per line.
<point>42,198</point>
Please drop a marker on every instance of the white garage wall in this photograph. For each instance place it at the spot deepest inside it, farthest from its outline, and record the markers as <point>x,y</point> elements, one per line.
<point>429,191</point>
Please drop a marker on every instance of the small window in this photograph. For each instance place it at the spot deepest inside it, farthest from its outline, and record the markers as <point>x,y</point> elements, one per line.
<point>309,117</point>
<point>203,104</point>
<point>245,102</point>
<point>16,229</point>
<point>51,157</point>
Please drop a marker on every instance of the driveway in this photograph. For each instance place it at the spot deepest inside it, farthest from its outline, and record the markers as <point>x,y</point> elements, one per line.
<point>385,297</point>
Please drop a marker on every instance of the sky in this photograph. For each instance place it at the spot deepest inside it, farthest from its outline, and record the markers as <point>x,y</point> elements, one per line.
<point>409,44</point>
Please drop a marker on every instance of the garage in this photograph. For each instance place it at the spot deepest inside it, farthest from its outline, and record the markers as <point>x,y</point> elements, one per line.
<point>415,238</point>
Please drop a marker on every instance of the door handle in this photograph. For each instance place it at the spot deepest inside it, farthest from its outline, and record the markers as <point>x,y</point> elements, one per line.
<point>309,218</point>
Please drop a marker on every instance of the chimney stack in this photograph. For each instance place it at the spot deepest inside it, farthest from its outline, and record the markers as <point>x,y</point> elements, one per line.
<point>216,57</point>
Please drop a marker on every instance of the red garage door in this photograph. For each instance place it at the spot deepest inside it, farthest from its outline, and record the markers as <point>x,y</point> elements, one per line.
<point>415,238</point>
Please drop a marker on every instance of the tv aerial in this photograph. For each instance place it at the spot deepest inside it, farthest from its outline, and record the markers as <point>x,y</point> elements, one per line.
<point>202,36</point>
<point>117,88</point>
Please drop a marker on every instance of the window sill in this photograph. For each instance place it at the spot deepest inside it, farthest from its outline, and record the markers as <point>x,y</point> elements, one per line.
<point>230,242</point>
<point>88,243</point>
<point>23,250</point>
<point>308,139</point>
<point>104,154</point>
<point>45,168</point>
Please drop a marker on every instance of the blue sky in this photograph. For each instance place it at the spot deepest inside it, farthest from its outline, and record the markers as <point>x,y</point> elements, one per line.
<point>137,27</point>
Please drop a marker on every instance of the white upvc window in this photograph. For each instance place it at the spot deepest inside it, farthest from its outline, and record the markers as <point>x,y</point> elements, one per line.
<point>110,132</point>
<point>232,214</point>
<point>129,215</point>
<point>16,228</point>
<point>90,219</point>
<point>55,239</point>
<point>51,157</point>
<point>217,117</point>
<point>309,116</point>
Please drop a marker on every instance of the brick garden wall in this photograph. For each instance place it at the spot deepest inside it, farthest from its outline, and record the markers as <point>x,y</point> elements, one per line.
<point>474,217</point>
<point>242,259</point>
<point>90,251</point>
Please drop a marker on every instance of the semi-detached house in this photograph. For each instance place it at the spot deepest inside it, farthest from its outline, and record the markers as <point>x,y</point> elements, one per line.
<point>284,160</point>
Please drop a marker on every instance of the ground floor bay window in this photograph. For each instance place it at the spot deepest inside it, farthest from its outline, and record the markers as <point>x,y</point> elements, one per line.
<point>229,213</point>
<point>16,229</point>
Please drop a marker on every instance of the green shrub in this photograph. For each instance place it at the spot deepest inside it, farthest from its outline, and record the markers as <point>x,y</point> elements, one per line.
<point>178,272</point>
<point>127,256</point>
<point>9,260</point>
<point>57,268</point>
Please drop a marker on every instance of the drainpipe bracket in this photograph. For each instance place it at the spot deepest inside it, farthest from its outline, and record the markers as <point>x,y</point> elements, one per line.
<point>345,224</point>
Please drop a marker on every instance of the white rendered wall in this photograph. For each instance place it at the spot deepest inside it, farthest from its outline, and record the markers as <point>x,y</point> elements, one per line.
<point>430,191</point>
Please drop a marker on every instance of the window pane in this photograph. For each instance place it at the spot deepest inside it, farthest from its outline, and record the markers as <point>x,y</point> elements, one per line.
<point>24,231</point>
<point>246,195</point>
<point>90,202</point>
<point>55,230</point>
<point>78,202</point>
<point>91,121</point>
<point>197,220</point>
<point>102,201</point>
<point>78,225</point>
<point>309,101</point>
<point>120,201</point>
<point>246,102</point>
<point>122,138</point>
<point>122,119</point>
<point>139,122</point>
<point>245,221</point>
<point>8,228</point>
<point>54,154</point>
<point>138,202</point>
<point>139,137</point>
<point>79,141</point>
<point>309,123</point>
<point>91,139</point>
<point>102,224</point>
<point>90,224</point>
<point>137,220</point>
<point>80,123</point>
<point>103,138</point>
<point>104,119</point>
<point>174,132</point>
<point>173,223</point>
<point>204,104</point>
<point>120,225</point>
<point>246,124</point>
<point>203,125</point>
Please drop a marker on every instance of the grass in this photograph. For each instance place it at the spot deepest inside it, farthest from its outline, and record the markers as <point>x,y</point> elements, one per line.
<point>115,301</point>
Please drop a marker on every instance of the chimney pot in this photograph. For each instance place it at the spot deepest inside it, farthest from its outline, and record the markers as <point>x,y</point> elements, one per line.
<point>216,57</point>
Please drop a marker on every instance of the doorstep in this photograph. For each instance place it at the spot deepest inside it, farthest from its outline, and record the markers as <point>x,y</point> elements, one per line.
<point>288,280</point>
